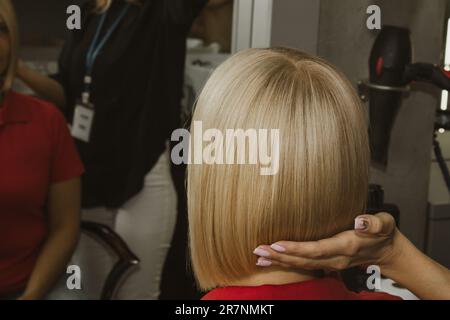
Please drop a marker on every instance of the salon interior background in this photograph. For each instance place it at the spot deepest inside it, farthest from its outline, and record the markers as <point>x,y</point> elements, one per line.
<point>335,30</point>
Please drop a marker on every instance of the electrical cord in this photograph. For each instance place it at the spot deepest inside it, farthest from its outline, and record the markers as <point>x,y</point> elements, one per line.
<point>441,162</point>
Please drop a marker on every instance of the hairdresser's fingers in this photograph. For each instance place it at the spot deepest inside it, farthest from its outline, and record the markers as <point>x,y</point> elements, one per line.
<point>265,262</point>
<point>344,243</point>
<point>341,261</point>
<point>267,253</point>
<point>367,244</point>
<point>381,224</point>
<point>333,264</point>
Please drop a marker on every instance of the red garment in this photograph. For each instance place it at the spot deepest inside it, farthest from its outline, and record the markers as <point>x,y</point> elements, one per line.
<point>36,150</point>
<point>319,289</point>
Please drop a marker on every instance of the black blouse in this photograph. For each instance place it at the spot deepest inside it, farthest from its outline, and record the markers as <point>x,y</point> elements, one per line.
<point>136,90</point>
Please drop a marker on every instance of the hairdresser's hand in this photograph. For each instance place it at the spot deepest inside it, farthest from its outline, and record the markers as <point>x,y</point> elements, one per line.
<point>375,240</point>
<point>372,242</point>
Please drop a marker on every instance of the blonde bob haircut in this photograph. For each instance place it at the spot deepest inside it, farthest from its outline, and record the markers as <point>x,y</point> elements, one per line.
<point>322,182</point>
<point>8,15</point>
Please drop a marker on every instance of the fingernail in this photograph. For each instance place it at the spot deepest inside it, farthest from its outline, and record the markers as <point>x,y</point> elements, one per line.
<point>261,252</point>
<point>278,248</point>
<point>361,224</point>
<point>263,262</point>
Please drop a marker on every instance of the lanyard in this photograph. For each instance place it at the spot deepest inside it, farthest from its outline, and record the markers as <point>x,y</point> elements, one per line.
<point>97,46</point>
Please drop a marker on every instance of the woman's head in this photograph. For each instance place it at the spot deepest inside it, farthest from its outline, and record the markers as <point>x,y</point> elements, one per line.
<point>323,172</point>
<point>9,43</point>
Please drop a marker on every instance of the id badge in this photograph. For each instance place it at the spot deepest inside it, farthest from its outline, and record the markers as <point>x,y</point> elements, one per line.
<point>82,122</point>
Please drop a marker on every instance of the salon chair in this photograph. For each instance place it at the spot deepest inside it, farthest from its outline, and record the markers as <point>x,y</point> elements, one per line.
<point>127,258</point>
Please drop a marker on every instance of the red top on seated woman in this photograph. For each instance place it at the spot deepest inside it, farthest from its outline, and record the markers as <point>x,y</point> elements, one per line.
<point>36,151</point>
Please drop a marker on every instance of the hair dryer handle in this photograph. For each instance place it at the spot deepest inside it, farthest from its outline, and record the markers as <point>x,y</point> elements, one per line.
<point>428,72</point>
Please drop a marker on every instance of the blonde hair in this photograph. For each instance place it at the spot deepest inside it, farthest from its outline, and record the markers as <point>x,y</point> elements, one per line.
<point>323,166</point>
<point>8,15</point>
<point>103,5</point>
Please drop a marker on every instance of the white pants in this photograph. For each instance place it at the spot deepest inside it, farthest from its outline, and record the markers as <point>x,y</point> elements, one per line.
<point>146,223</point>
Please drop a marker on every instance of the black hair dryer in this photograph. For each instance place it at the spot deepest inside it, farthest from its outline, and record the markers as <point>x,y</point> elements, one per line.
<point>391,72</point>
<point>389,58</point>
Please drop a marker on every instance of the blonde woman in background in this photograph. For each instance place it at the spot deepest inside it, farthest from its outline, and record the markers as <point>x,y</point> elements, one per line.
<point>126,65</point>
<point>39,182</point>
<point>320,188</point>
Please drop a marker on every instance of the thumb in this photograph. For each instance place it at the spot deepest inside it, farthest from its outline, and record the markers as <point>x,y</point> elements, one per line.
<point>380,224</point>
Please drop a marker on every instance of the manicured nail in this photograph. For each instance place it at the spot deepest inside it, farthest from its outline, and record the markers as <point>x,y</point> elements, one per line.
<point>261,252</point>
<point>263,262</point>
<point>278,248</point>
<point>361,224</point>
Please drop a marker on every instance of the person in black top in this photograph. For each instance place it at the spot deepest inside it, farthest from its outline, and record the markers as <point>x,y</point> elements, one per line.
<point>119,85</point>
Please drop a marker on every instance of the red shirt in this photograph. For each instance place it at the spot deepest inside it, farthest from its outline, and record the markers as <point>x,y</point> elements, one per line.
<point>319,289</point>
<point>36,150</point>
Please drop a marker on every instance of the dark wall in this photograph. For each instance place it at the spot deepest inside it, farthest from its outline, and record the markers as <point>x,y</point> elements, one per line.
<point>43,22</point>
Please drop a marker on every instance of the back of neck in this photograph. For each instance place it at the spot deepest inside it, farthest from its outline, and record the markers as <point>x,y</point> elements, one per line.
<point>277,276</point>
